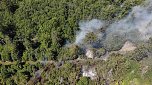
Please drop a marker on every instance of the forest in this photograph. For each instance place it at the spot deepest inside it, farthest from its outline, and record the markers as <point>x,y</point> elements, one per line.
<point>37,44</point>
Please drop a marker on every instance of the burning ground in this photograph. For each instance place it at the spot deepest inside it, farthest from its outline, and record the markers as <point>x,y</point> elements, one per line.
<point>119,37</point>
<point>134,28</point>
<point>110,49</point>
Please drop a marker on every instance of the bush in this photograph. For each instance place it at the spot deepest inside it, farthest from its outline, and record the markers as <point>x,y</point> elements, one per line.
<point>100,52</point>
<point>83,81</point>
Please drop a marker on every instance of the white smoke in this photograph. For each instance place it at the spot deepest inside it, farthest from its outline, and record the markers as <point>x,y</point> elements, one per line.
<point>137,26</point>
<point>87,27</point>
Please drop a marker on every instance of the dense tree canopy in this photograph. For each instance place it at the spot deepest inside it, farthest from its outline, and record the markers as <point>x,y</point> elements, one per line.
<point>34,35</point>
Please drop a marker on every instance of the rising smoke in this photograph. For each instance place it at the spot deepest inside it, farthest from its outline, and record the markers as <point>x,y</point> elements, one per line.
<point>86,27</point>
<point>136,27</point>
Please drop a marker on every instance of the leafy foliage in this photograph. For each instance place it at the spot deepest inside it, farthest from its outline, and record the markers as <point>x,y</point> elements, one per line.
<point>34,36</point>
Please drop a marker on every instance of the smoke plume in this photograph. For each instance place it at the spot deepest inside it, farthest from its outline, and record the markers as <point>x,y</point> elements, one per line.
<point>136,27</point>
<point>87,27</point>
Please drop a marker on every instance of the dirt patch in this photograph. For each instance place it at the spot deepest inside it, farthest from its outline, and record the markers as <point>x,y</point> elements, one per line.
<point>128,46</point>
